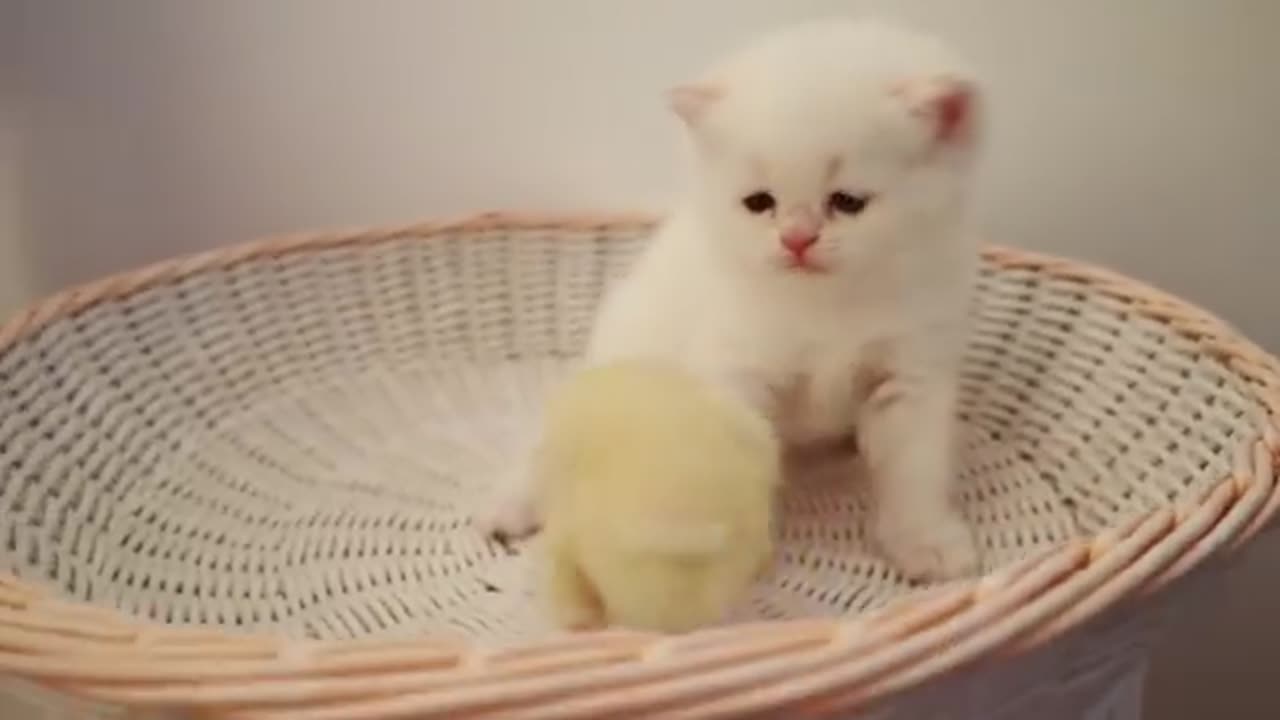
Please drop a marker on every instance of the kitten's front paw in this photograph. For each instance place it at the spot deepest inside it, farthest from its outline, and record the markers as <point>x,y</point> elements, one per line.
<point>935,548</point>
<point>511,517</point>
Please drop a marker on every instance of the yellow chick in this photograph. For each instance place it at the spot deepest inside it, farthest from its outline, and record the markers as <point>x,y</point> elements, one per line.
<point>656,495</point>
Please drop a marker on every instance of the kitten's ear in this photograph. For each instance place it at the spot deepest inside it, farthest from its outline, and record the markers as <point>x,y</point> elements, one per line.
<point>691,102</point>
<point>949,104</point>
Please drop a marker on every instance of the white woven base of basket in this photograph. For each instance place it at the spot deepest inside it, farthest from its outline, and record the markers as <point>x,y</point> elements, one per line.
<point>294,440</point>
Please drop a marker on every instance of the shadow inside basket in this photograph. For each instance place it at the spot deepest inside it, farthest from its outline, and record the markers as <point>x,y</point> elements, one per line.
<point>283,445</point>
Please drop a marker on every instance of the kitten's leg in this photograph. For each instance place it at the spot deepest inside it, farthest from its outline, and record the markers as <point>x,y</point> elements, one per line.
<point>740,386</point>
<point>512,510</point>
<point>907,431</point>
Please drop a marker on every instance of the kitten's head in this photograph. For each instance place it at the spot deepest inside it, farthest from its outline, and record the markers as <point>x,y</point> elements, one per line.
<point>827,145</point>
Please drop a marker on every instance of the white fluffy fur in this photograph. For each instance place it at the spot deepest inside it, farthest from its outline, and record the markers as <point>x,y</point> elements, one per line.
<point>872,342</point>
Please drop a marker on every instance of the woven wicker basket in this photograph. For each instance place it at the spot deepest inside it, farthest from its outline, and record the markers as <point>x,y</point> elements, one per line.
<point>240,485</point>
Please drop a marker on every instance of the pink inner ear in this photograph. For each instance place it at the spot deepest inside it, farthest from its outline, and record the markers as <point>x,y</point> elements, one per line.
<point>945,103</point>
<point>951,110</point>
<point>691,102</point>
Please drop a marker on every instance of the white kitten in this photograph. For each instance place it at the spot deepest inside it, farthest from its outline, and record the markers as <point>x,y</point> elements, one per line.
<point>820,264</point>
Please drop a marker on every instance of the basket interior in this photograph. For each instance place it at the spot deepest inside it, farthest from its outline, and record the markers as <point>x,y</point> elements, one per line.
<point>297,443</point>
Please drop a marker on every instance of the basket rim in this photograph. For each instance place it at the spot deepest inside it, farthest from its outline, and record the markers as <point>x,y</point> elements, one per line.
<point>800,665</point>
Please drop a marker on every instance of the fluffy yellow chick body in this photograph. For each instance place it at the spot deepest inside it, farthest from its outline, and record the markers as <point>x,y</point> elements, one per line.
<point>656,498</point>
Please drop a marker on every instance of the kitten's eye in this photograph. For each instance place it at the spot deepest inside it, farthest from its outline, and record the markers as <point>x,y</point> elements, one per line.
<point>846,204</point>
<point>758,202</point>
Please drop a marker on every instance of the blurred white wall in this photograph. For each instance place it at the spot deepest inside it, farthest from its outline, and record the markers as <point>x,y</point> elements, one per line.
<point>1140,133</point>
<point>13,266</point>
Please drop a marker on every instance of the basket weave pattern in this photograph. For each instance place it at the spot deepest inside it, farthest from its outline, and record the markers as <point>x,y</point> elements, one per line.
<point>244,481</point>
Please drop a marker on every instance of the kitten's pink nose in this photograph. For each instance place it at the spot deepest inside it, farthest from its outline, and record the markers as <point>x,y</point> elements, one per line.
<point>798,240</point>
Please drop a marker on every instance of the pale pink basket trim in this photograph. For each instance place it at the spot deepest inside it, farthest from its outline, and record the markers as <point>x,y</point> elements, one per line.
<point>949,650</point>
<point>1140,569</point>
<point>848,668</point>
<point>1248,508</point>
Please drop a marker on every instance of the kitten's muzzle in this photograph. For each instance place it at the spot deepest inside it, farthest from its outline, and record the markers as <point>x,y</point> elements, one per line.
<point>801,228</point>
<point>797,241</point>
